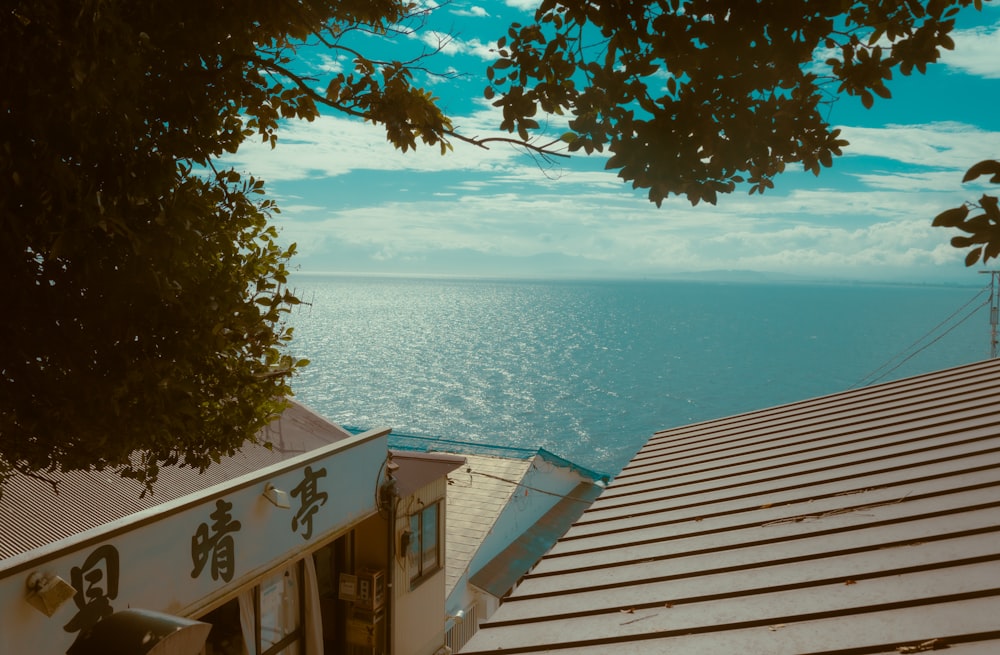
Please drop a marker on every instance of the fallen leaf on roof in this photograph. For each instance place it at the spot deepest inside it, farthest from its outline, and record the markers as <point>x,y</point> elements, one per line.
<point>930,644</point>
<point>668,604</point>
<point>765,505</point>
<point>850,582</point>
<point>630,610</point>
<point>776,627</point>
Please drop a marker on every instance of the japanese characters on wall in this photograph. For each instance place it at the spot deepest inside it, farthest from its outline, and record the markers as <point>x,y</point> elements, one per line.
<point>185,555</point>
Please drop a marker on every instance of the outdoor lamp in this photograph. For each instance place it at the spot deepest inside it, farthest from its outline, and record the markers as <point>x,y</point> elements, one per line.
<point>276,496</point>
<point>47,594</point>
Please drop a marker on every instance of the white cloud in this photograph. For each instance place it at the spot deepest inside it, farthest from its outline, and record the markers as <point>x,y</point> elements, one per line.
<point>922,181</point>
<point>523,5</point>
<point>500,204</point>
<point>448,44</point>
<point>331,146</point>
<point>428,5</point>
<point>336,145</point>
<point>946,145</point>
<point>441,42</point>
<point>327,64</point>
<point>474,11</point>
<point>497,202</point>
<point>976,52</point>
<point>824,230</point>
<point>483,50</point>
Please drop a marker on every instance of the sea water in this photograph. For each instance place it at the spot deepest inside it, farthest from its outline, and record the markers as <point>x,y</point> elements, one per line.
<point>589,370</point>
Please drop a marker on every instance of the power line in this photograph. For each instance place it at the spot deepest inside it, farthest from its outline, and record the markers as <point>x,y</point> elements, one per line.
<point>994,309</point>
<point>881,372</point>
<point>470,471</point>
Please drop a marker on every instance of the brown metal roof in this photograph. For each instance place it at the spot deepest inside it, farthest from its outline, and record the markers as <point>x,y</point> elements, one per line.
<point>861,522</point>
<point>32,515</point>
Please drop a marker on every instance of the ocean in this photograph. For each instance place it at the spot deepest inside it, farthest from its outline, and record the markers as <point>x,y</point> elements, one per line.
<point>589,370</point>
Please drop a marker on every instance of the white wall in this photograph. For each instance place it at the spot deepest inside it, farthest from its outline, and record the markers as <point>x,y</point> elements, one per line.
<point>162,559</point>
<point>418,614</point>
<point>542,486</point>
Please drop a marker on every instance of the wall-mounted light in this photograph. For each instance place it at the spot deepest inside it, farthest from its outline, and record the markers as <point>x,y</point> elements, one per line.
<point>276,496</point>
<point>457,616</point>
<point>47,594</point>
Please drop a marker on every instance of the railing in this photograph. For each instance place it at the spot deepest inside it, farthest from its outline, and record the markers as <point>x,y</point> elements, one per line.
<point>462,629</point>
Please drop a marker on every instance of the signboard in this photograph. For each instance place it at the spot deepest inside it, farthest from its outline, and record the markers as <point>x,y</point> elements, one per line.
<point>183,554</point>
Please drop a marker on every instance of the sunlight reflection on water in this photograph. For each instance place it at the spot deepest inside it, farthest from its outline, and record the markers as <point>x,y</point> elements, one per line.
<point>589,370</point>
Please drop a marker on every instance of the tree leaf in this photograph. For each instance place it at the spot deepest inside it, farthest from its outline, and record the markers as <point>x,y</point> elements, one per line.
<point>951,217</point>
<point>986,167</point>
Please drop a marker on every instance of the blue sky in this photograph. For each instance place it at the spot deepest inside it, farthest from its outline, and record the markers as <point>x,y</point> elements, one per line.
<point>353,204</point>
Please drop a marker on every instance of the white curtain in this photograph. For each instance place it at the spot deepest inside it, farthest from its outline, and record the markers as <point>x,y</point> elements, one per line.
<point>313,628</point>
<point>248,622</point>
<point>314,619</point>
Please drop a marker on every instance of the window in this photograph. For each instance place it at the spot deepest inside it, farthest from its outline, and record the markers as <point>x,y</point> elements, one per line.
<point>266,619</point>
<point>226,636</point>
<point>279,613</point>
<point>424,553</point>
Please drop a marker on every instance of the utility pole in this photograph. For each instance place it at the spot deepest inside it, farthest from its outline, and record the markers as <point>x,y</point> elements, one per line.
<point>994,310</point>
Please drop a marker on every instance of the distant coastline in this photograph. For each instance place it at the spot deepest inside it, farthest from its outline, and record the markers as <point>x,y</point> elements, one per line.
<point>718,276</point>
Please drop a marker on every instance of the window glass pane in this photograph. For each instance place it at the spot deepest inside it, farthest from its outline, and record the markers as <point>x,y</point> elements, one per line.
<point>226,636</point>
<point>429,537</point>
<point>279,607</point>
<point>413,550</point>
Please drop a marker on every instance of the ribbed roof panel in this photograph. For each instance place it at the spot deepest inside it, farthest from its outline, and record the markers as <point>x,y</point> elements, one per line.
<point>33,515</point>
<point>859,522</point>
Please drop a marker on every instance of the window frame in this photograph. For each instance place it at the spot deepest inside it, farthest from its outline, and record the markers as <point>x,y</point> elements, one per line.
<point>419,570</point>
<point>296,635</point>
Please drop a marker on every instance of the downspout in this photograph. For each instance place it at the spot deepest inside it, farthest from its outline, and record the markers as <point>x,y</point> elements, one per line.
<point>390,500</point>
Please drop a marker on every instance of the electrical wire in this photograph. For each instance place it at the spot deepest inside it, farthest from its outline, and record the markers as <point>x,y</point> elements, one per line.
<point>525,486</point>
<point>871,377</point>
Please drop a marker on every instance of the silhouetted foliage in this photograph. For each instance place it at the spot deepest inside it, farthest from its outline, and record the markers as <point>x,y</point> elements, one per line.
<point>144,289</point>
<point>695,97</point>
<point>983,228</point>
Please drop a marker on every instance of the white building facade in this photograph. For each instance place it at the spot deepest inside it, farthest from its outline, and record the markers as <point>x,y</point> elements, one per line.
<point>308,549</point>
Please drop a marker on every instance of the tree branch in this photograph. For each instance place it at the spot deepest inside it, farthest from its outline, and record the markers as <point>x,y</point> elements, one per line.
<point>302,85</point>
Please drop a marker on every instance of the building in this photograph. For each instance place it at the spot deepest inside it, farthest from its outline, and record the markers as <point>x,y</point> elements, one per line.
<point>862,522</point>
<point>504,513</point>
<point>419,567</point>
<point>325,541</point>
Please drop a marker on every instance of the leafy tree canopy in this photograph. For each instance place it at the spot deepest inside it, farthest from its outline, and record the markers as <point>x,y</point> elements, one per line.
<point>145,289</point>
<point>697,97</point>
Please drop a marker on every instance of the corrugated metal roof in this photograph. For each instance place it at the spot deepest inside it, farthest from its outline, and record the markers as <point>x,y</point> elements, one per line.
<point>32,515</point>
<point>861,522</point>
